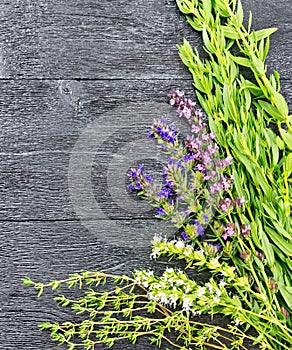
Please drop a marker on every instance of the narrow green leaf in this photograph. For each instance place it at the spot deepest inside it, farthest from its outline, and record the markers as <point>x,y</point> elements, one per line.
<point>271,110</point>
<point>240,60</point>
<point>281,104</point>
<point>281,230</point>
<point>207,6</point>
<point>264,33</point>
<point>230,33</point>
<point>206,40</point>
<point>286,294</point>
<point>196,24</point>
<point>283,245</point>
<point>237,184</point>
<point>268,250</point>
<point>287,137</point>
<point>271,212</point>
<point>186,6</point>
<point>239,13</point>
<point>249,22</point>
<point>288,163</point>
<point>280,143</point>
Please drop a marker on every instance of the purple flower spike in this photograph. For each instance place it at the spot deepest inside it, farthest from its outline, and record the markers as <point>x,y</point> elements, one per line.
<point>184,236</point>
<point>160,212</point>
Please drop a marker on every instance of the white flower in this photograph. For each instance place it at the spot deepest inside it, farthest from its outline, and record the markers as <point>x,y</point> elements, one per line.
<point>197,313</point>
<point>169,269</point>
<point>172,300</point>
<point>188,251</point>
<point>156,239</point>
<point>187,303</point>
<point>222,283</point>
<point>218,292</point>
<point>236,322</point>
<point>201,291</point>
<point>150,296</point>
<point>187,288</point>
<point>180,244</point>
<point>149,273</point>
<point>210,287</point>
<point>162,298</point>
<point>217,300</point>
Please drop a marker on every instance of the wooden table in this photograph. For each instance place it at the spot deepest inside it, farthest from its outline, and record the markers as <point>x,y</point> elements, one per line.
<point>80,83</point>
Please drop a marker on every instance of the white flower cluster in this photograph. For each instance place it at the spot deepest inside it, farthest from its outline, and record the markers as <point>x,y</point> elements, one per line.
<point>179,248</point>
<point>175,289</point>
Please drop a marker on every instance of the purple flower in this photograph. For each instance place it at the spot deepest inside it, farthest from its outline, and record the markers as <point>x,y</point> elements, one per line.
<point>206,218</point>
<point>225,204</point>
<point>161,130</point>
<point>238,202</point>
<point>138,180</point>
<point>164,192</point>
<point>216,187</point>
<point>229,231</point>
<point>184,236</point>
<point>160,212</point>
<point>199,229</point>
<point>188,157</point>
<point>201,168</point>
<point>245,230</point>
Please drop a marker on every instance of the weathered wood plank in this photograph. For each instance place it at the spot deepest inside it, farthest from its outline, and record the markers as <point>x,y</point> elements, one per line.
<point>40,126</point>
<point>113,39</point>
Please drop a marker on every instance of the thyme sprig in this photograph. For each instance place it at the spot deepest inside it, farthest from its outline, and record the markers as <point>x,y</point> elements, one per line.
<point>127,311</point>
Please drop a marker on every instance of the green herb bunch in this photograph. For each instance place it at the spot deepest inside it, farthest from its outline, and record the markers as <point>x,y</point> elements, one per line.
<point>250,119</point>
<point>159,307</point>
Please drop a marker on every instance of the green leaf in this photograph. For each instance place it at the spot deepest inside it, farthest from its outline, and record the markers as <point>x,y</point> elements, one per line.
<point>271,110</point>
<point>257,65</point>
<point>268,250</point>
<point>242,61</point>
<point>254,235</point>
<point>186,6</point>
<point>264,33</point>
<point>207,41</point>
<point>287,137</point>
<point>271,212</point>
<point>288,164</point>
<point>274,147</point>
<point>249,21</point>
<point>281,243</point>
<point>280,143</point>
<point>281,104</point>
<point>230,33</point>
<point>237,184</point>
<point>196,24</point>
<point>28,282</point>
<point>207,6</point>
<point>286,294</point>
<point>239,13</point>
<point>281,230</point>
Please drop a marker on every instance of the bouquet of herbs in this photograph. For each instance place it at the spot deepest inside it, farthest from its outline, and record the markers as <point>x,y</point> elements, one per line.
<point>226,189</point>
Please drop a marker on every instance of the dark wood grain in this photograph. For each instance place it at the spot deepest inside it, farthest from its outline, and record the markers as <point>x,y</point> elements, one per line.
<point>63,66</point>
<point>116,39</point>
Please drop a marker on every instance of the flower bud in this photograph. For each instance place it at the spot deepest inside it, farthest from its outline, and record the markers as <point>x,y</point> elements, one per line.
<point>260,255</point>
<point>284,312</point>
